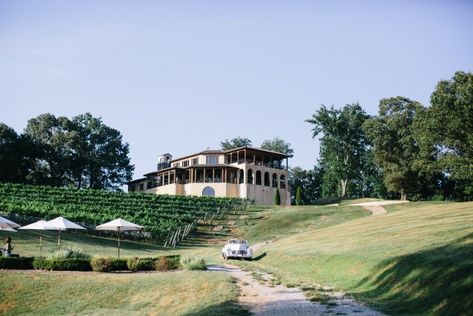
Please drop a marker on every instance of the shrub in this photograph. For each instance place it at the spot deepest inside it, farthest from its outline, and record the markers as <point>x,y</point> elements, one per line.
<point>140,264</point>
<point>68,253</point>
<point>168,263</point>
<point>119,264</point>
<point>62,264</point>
<point>299,196</point>
<point>193,262</point>
<point>101,264</point>
<point>22,263</point>
<point>277,198</point>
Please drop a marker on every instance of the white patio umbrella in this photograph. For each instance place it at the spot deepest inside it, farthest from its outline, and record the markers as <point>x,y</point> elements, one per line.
<point>60,223</point>
<point>8,222</point>
<point>39,225</point>
<point>6,227</point>
<point>119,225</point>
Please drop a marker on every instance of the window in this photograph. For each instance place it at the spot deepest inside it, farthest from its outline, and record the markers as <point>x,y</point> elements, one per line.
<point>266,179</point>
<point>208,191</point>
<point>177,164</point>
<point>142,186</point>
<point>242,177</point>
<point>211,160</point>
<point>188,175</point>
<point>195,161</point>
<point>218,175</point>
<point>258,177</point>
<point>199,176</point>
<point>148,185</point>
<point>250,176</point>
<point>208,175</point>
<point>171,177</point>
<point>275,180</point>
<point>283,182</point>
<point>185,163</point>
<point>131,188</point>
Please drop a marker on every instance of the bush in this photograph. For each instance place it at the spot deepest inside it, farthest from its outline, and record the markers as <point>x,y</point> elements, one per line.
<point>68,253</point>
<point>119,264</point>
<point>193,262</point>
<point>101,264</point>
<point>140,264</point>
<point>22,263</point>
<point>62,264</point>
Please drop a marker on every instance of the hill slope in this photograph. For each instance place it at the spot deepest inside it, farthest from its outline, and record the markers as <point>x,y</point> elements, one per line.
<point>417,259</point>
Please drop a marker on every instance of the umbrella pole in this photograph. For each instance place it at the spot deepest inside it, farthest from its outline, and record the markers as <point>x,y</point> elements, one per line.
<point>58,239</point>
<point>118,237</point>
<point>40,243</point>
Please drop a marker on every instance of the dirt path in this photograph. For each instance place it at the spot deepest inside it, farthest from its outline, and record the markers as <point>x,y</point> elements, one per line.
<point>376,207</point>
<point>261,297</point>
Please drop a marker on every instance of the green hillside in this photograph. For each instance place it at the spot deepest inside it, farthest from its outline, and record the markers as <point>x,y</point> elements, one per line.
<point>417,259</point>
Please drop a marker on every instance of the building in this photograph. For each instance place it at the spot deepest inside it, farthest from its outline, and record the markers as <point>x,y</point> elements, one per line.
<point>243,172</point>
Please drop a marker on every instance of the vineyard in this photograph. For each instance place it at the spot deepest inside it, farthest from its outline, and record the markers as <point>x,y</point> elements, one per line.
<point>166,218</point>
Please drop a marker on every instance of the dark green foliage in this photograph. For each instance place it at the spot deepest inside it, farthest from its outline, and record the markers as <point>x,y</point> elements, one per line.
<point>299,196</point>
<point>159,214</point>
<point>119,264</point>
<point>310,182</point>
<point>277,198</point>
<point>62,264</point>
<point>277,144</point>
<point>141,264</point>
<point>21,263</point>
<point>343,147</point>
<point>396,150</point>
<point>101,264</point>
<point>81,152</point>
<point>235,143</point>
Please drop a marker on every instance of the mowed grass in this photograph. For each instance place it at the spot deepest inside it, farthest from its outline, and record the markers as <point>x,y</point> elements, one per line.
<point>417,259</point>
<point>89,293</point>
<point>275,223</point>
<point>26,244</point>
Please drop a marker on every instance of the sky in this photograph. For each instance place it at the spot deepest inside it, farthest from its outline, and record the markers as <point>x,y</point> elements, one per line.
<point>181,76</point>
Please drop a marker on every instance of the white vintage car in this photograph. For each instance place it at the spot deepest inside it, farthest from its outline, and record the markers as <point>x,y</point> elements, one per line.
<point>236,248</point>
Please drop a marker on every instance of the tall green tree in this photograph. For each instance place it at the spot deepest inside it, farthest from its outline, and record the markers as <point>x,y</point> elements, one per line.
<point>82,152</point>
<point>299,196</point>
<point>343,146</point>
<point>448,126</point>
<point>277,198</point>
<point>396,150</point>
<point>17,155</point>
<point>235,143</point>
<point>53,138</point>
<point>277,144</point>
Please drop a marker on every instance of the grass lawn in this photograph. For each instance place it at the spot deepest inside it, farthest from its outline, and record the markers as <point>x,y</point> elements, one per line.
<point>89,293</point>
<point>417,259</point>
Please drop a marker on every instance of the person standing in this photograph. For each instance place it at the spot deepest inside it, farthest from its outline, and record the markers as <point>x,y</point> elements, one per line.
<point>7,247</point>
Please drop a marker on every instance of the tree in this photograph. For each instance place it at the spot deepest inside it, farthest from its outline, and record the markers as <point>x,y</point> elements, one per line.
<point>101,158</point>
<point>448,126</point>
<point>82,152</point>
<point>16,156</point>
<point>279,145</point>
<point>395,147</point>
<point>235,143</point>
<point>342,147</point>
<point>309,181</point>
<point>277,198</point>
<point>53,139</point>
<point>299,196</point>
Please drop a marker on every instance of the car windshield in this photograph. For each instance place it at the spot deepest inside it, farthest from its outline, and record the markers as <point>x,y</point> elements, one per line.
<point>244,242</point>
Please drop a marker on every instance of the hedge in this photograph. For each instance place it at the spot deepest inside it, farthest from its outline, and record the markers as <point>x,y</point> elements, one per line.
<point>62,264</point>
<point>22,263</point>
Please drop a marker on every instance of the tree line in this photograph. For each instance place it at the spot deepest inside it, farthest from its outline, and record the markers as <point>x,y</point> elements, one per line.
<point>406,151</point>
<point>80,152</point>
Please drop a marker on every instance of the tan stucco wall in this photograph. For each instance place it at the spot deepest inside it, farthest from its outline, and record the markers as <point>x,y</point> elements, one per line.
<point>221,189</point>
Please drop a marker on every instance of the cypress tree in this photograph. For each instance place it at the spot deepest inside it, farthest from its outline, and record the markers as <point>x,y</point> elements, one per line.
<point>277,198</point>
<point>299,196</point>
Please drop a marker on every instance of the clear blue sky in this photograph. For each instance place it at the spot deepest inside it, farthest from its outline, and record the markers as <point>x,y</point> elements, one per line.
<point>180,76</point>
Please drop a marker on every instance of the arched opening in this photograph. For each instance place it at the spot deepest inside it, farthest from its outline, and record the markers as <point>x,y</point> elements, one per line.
<point>282,185</point>
<point>250,176</point>
<point>275,180</point>
<point>258,177</point>
<point>208,191</point>
<point>266,179</point>
<point>241,177</point>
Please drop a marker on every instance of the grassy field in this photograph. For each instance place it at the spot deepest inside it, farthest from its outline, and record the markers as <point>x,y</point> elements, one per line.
<point>89,293</point>
<point>417,259</point>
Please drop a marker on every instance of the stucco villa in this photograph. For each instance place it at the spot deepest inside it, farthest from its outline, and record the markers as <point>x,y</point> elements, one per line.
<point>244,172</point>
